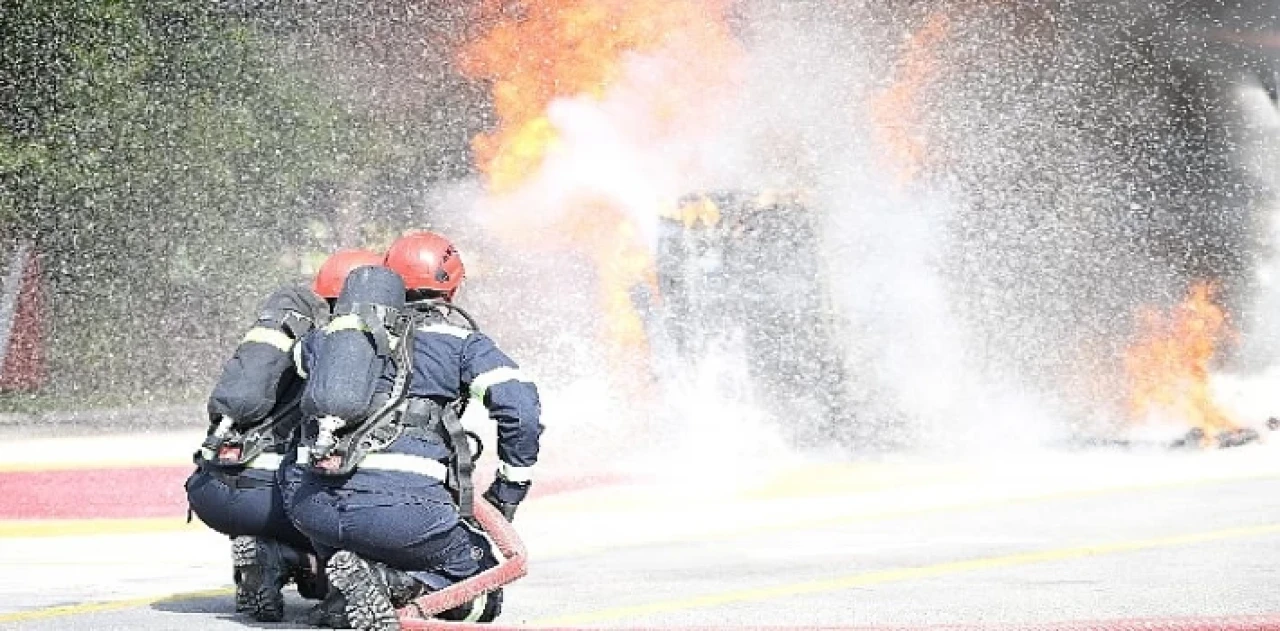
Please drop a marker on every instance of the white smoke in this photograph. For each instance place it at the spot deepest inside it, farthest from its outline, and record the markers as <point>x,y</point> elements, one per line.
<point>799,122</point>
<point>612,153</point>
<point>886,240</point>
<point>982,304</point>
<point>1249,394</point>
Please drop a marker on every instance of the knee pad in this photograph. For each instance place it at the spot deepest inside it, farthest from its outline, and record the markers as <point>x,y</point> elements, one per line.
<point>481,548</point>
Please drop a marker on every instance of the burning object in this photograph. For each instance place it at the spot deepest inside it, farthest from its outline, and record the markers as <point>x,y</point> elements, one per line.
<point>897,111</point>
<point>746,264</point>
<point>1196,438</point>
<point>599,106</point>
<point>1167,368</point>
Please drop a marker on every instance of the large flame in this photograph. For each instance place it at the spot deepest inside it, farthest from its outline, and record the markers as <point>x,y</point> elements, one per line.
<point>642,73</point>
<point>551,49</point>
<point>897,112</point>
<point>1168,366</point>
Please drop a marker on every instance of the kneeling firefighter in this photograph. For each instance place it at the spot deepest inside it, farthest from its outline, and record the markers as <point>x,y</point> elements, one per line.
<point>389,482</point>
<point>253,414</point>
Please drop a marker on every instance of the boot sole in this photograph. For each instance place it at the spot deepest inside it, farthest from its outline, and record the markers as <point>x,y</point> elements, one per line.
<point>369,605</point>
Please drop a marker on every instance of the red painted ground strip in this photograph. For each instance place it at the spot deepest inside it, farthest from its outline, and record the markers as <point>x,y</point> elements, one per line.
<point>142,492</point>
<point>94,493</point>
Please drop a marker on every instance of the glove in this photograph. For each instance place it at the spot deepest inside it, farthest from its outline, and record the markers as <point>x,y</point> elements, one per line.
<point>507,495</point>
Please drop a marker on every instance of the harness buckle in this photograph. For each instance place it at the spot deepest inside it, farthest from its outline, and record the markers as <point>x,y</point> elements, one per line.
<point>229,454</point>
<point>330,464</point>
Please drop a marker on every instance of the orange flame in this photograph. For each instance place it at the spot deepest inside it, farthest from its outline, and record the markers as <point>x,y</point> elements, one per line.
<point>1168,367</point>
<point>897,111</point>
<point>547,50</point>
<point>578,48</point>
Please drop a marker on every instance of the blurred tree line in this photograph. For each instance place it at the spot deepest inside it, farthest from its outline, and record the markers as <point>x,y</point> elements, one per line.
<point>176,159</point>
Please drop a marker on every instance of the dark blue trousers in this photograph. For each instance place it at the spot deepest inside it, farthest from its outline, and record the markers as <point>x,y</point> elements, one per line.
<point>249,504</point>
<point>419,533</point>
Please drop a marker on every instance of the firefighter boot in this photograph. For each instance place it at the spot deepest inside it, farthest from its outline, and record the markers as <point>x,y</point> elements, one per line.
<point>330,613</point>
<point>310,578</point>
<point>484,608</point>
<point>265,566</point>
<point>244,553</point>
<point>373,591</point>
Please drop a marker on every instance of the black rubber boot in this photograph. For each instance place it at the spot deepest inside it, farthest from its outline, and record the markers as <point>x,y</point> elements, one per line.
<point>330,613</point>
<point>244,554</point>
<point>373,591</point>
<point>274,564</point>
<point>262,568</point>
<point>484,608</point>
<point>310,579</point>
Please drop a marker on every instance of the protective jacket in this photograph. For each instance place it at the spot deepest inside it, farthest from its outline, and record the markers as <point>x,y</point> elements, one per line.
<point>450,364</point>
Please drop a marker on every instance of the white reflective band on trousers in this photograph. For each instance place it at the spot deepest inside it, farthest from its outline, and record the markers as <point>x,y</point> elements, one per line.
<point>402,463</point>
<point>266,461</point>
<point>485,380</point>
<point>512,473</point>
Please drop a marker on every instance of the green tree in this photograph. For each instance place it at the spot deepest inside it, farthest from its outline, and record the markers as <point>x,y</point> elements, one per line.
<point>163,153</point>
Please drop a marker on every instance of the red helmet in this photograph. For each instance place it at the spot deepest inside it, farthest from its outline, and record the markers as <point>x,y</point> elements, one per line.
<point>426,261</point>
<point>328,282</point>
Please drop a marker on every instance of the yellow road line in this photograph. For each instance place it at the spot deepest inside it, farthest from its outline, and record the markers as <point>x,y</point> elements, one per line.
<point>753,594</point>
<point>84,527</point>
<point>110,605</point>
<point>844,478</point>
<point>87,527</point>
<point>904,513</point>
<point>902,574</point>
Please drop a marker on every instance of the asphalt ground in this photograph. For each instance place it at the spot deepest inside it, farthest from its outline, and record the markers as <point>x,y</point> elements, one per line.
<point>1026,539</point>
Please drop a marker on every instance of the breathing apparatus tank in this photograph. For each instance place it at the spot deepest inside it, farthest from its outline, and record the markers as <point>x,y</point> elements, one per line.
<point>354,358</point>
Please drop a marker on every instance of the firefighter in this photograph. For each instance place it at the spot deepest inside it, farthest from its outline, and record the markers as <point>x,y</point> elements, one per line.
<point>253,414</point>
<point>388,487</point>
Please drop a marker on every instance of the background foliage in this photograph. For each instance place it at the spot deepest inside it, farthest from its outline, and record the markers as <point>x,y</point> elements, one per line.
<point>176,159</point>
